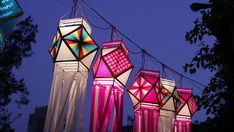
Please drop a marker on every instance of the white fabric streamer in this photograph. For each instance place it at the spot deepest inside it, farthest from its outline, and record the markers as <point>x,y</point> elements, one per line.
<point>68,88</point>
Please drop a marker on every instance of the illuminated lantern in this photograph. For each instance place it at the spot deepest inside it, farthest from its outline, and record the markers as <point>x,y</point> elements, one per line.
<point>111,71</point>
<point>9,15</point>
<point>2,42</point>
<point>167,105</point>
<point>144,93</point>
<point>73,51</point>
<point>185,110</point>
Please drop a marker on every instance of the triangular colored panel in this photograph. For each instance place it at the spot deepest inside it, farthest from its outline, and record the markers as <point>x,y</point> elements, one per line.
<point>151,97</point>
<point>80,42</point>
<point>184,95</point>
<point>106,51</point>
<point>73,40</point>
<point>89,59</point>
<point>123,78</point>
<point>169,105</point>
<point>55,45</point>
<point>96,65</point>
<point>103,71</point>
<point>64,53</point>
<point>67,29</point>
<point>192,105</point>
<point>151,79</point>
<point>176,99</point>
<point>134,100</point>
<point>87,45</point>
<point>185,111</point>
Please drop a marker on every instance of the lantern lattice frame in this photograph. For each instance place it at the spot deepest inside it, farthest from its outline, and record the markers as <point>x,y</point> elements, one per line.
<point>76,44</point>
<point>151,80</point>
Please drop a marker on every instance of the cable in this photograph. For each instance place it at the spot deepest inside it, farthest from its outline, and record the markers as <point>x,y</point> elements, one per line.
<point>98,27</point>
<point>138,46</point>
<point>134,52</point>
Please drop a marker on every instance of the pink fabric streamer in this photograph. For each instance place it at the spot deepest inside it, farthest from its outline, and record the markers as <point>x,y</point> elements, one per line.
<point>146,119</point>
<point>182,125</point>
<point>104,98</point>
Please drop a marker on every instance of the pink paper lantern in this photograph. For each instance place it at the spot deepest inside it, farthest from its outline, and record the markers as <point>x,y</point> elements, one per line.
<point>111,71</point>
<point>144,93</point>
<point>185,110</point>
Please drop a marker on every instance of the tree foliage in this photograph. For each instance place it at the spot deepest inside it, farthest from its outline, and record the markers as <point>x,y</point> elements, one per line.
<point>214,34</point>
<point>13,90</point>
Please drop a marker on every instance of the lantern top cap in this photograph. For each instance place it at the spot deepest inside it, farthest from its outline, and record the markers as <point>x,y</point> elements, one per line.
<point>185,90</point>
<point>74,22</point>
<point>168,82</point>
<point>115,44</point>
<point>71,21</point>
<point>145,72</point>
<point>185,93</point>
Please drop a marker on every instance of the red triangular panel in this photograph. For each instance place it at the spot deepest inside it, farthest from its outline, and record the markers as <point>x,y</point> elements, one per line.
<point>151,97</point>
<point>151,79</point>
<point>103,71</point>
<point>185,95</point>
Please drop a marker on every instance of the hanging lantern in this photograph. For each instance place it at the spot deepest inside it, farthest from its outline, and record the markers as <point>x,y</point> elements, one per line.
<point>144,94</point>
<point>10,12</point>
<point>167,107</point>
<point>2,42</point>
<point>111,71</point>
<point>185,110</point>
<point>73,51</point>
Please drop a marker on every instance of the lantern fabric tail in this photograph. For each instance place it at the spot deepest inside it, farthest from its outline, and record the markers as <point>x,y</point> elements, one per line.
<point>166,121</point>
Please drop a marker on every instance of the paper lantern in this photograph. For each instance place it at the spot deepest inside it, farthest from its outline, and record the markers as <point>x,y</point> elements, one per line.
<point>9,15</point>
<point>111,71</point>
<point>2,42</point>
<point>144,94</point>
<point>73,51</point>
<point>167,105</point>
<point>185,110</point>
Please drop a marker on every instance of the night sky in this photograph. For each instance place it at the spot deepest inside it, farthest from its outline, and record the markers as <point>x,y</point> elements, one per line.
<point>159,26</point>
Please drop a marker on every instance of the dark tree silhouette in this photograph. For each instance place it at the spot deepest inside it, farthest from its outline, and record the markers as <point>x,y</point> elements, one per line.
<point>214,34</point>
<point>12,90</point>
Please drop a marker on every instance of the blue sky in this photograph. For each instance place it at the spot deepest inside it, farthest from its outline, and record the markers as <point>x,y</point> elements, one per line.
<point>157,25</point>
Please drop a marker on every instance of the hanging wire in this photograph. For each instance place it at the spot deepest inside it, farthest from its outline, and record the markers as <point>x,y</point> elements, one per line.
<point>74,8</point>
<point>99,27</point>
<point>138,46</point>
<point>134,52</point>
<point>181,83</point>
<point>142,58</point>
<point>156,43</point>
<point>163,71</point>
